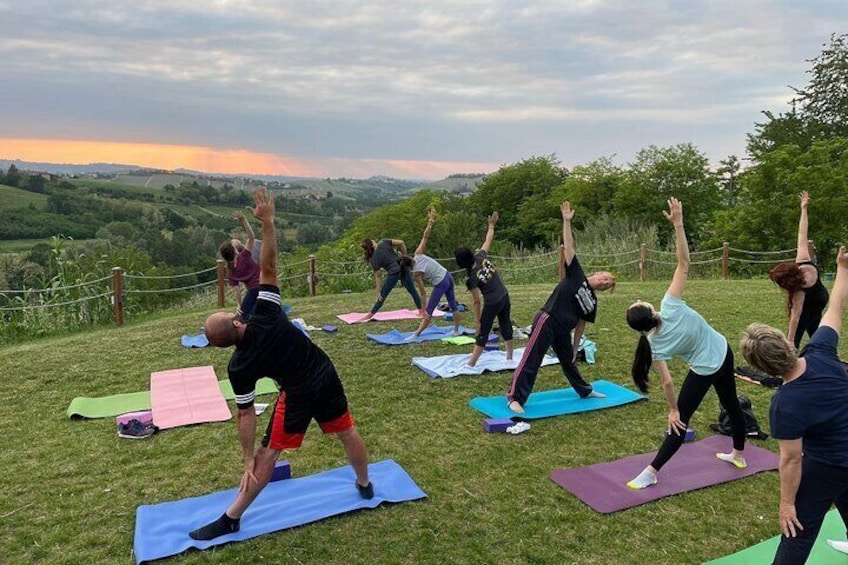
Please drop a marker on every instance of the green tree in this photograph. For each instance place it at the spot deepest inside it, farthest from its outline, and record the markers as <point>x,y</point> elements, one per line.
<point>590,188</point>
<point>824,100</point>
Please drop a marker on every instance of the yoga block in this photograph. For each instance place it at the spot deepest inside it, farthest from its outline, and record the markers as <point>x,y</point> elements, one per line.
<point>494,347</point>
<point>330,329</point>
<point>690,435</point>
<point>282,470</point>
<point>493,425</point>
<point>145,417</point>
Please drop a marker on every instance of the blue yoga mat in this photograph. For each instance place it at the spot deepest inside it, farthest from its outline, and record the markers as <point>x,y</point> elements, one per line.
<point>431,333</point>
<point>161,530</point>
<point>198,340</point>
<point>557,402</point>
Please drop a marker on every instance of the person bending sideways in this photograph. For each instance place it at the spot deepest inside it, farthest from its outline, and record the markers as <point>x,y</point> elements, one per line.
<point>242,268</point>
<point>809,418</point>
<point>570,306</point>
<point>268,345</point>
<point>483,278</point>
<point>383,256</point>
<point>678,331</point>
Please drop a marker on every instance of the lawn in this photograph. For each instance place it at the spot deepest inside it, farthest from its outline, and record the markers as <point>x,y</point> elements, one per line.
<point>12,198</point>
<point>72,487</point>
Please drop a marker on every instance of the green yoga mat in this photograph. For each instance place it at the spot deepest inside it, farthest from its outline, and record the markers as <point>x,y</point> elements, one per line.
<point>459,340</point>
<point>822,554</point>
<point>106,406</point>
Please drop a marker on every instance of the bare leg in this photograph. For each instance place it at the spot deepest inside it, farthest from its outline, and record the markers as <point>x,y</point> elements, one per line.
<point>475,355</point>
<point>508,347</point>
<point>424,323</point>
<point>263,469</point>
<point>357,454</point>
<point>456,322</point>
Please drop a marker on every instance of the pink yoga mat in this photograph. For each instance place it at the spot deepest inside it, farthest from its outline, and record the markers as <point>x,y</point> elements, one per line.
<point>386,316</point>
<point>187,396</point>
<point>604,486</point>
<point>144,416</point>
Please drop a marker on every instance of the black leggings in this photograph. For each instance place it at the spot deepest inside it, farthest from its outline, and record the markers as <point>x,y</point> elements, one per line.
<point>501,309</point>
<point>692,392</point>
<point>808,321</point>
<point>390,282</point>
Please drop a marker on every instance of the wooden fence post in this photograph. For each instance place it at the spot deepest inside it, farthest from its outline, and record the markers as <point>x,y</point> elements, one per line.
<point>222,294</point>
<point>561,265</point>
<point>312,277</point>
<point>643,255</point>
<point>725,260</point>
<point>118,294</point>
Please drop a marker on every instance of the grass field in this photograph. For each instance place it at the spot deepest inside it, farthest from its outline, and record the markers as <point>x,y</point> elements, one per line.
<point>72,487</point>
<point>12,198</point>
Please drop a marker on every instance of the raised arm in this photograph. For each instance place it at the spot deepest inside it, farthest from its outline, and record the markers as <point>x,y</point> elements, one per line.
<point>422,245</point>
<point>490,232</point>
<point>251,237</point>
<point>399,245</point>
<point>567,236</point>
<point>803,251</point>
<point>264,212</point>
<point>839,294</point>
<point>681,272</point>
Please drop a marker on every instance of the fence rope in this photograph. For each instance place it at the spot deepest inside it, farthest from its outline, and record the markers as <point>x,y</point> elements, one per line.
<point>793,250</point>
<point>55,289</point>
<point>609,254</point>
<point>754,261</point>
<point>152,290</point>
<point>161,277</point>
<point>613,266</point>
<point>42,306</point>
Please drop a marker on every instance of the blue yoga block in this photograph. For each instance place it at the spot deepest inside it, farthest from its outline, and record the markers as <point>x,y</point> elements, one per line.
<point>690,435</point>
<point>282,470</point>
<point>492,425</point>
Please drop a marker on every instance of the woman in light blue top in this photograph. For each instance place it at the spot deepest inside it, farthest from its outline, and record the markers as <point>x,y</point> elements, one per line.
<point>678,331</point>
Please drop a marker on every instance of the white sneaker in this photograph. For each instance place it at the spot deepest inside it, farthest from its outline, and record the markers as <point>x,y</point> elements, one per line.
<point>840,546</point>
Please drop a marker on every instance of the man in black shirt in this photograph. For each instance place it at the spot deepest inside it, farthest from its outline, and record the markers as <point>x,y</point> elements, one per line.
<point>269,345</point>
<point>570,306</point>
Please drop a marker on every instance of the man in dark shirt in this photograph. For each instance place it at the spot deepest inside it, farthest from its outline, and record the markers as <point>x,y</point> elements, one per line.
<point>809,418</point>
<point>570,306</point>
<point>269,345</point>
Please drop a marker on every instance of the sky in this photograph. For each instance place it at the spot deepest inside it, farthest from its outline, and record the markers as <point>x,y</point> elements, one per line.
<point>408,89</point>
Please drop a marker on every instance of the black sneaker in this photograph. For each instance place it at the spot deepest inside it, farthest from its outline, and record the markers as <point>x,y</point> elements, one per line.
<point>134,429</point>
<point>367,491</point>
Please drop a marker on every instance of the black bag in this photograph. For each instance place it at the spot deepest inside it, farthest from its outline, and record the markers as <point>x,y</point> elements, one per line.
<point>752,427</point>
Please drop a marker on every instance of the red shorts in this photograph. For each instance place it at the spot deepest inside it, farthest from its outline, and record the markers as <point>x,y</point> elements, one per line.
<point>293,413</point>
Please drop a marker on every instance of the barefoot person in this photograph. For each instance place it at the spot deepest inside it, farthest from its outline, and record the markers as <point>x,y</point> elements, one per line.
<point>427,269</point>
<point>483,278</point>
<point>383,256</point>
<point>806,296</point>
<point>808,417</point>
<point>270,346</point>
<point>242,268</point>
<point>570,306</point>
<point>678,331</point>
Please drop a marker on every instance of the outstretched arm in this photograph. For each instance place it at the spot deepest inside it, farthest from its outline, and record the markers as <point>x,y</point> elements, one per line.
<point>251,237</point>
<point>400,245</point>
<point>567,236</point>
<point>839,293</point>
<point>675,425</point>
<point>490,233</point>
<point>422,245</point>
<point>803,252</point>
<point>578,333</point>
<point>264,212</point>
<point>681,272</point>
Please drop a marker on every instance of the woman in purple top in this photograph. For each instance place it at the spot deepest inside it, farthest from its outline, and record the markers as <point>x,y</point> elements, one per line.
<point>242,268</point>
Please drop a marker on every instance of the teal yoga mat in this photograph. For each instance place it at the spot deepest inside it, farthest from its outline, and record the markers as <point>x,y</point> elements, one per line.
<point>557,402</point>
<point>822,554</point>
<point>83,407</point>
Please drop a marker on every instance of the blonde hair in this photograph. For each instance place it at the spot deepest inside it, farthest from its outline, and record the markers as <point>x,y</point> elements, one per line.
<point>766,349</point>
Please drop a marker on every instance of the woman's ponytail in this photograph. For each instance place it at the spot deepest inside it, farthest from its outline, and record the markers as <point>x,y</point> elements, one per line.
<point>642,363</point>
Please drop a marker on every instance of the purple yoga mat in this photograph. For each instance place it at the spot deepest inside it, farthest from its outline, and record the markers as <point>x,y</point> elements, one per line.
<point>603,486</point>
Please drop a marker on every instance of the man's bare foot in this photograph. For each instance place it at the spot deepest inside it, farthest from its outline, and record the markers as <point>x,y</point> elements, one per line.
<point>515,407</point>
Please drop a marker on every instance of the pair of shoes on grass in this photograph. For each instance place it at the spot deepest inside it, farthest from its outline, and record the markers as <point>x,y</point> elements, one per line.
<point>135,429</point>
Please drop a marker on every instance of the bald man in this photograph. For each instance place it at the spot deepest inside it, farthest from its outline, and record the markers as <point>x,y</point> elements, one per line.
<point>268,345</point>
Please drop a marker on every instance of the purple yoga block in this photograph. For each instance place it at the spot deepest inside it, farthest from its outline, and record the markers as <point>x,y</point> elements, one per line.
<point>282,470</point>
<point>492,425</point>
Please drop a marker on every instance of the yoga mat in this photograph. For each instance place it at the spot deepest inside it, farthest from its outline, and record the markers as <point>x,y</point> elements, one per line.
<point>459,340</point>
<point>161,530</point>
<point>388,315</point>
<point>604,486</point>
<point>181,397</point>
<point>822,554</point>
<point>430,333</point>
<point>557,402</point>
<point>449,366</point>
<point>83,407</point>
<point>198,340</point>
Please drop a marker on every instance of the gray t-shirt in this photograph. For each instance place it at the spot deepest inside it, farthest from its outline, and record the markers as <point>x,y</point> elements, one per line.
<point>433,272</point>
<point>385,257</point>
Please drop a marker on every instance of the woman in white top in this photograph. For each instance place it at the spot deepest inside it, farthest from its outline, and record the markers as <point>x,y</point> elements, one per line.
<point>425,268</point>
<point>678,331</point>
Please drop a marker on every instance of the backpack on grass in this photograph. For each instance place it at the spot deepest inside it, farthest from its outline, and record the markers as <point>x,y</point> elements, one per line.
<point>752,427</point>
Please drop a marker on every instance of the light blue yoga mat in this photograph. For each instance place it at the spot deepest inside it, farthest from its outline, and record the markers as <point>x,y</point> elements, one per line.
<point>198,340</point>
<point>161,530</point>
<point>431,333</point>
<point>449,366</point>
<point>557,402</point>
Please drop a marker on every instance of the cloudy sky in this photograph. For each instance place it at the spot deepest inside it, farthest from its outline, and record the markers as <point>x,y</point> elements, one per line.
<point>403,88</point>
